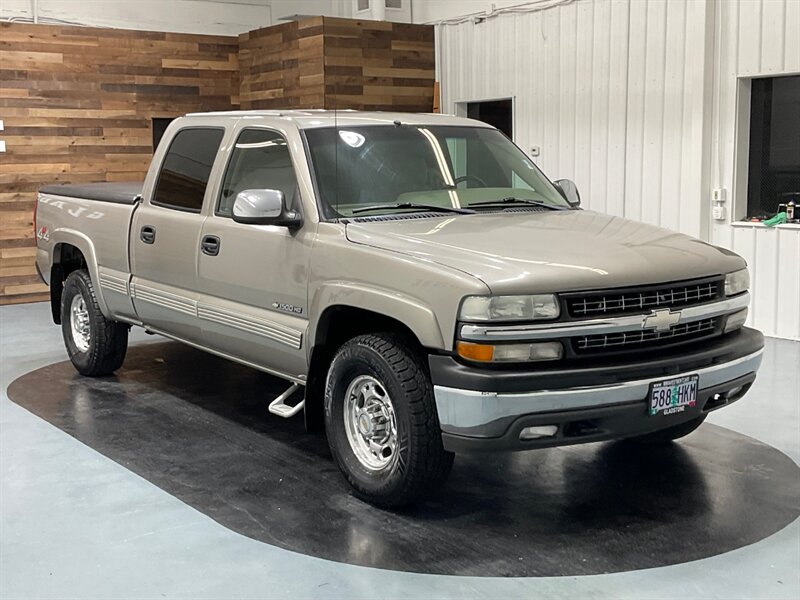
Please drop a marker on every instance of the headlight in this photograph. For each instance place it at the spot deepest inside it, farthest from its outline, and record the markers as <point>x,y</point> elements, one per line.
<point>509,308</point>
<point>737,282</point>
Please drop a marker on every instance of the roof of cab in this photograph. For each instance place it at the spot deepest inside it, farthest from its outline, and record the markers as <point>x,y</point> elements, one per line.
<point>309,119</point>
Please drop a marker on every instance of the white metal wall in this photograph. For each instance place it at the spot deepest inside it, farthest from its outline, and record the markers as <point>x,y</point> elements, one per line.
<point>755,38</point>
<point>633,100</point>
<point>216,17</point>
<point>602,87</point>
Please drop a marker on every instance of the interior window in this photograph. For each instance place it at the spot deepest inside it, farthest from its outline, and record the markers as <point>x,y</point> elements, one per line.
<point>187,166</point>
<point>260,161</point>
<point>774,173</point>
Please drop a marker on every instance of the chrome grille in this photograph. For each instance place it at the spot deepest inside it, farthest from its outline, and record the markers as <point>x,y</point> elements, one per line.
<point>595,304</point>
<point>647,337</point>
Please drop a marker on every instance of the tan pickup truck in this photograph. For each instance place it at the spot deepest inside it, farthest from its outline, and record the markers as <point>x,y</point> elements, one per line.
<point>424,284</point>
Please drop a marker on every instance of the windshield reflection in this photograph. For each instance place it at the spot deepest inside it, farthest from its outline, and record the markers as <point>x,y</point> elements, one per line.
<point>445,166</point>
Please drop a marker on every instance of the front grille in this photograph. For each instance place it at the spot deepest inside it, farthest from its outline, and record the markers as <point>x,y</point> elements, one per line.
<point>636,340</point>
<point>643,299</point>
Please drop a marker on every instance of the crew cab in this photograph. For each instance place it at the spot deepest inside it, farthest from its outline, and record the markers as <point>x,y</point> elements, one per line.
<point>420,284</point>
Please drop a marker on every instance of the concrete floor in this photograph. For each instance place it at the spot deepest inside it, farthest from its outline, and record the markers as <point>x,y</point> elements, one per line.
<point>73,523</point>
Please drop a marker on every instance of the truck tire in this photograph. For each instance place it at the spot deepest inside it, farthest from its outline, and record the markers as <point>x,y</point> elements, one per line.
<point>381,421</point>
<point>96,346</point>
<point>664,436</point>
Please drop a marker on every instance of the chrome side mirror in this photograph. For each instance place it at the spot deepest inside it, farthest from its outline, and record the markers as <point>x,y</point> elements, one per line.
<point>264,207</point>
<point>569,190</point>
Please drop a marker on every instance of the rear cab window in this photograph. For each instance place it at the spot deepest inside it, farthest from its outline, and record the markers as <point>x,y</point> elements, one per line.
<point>186,169</point>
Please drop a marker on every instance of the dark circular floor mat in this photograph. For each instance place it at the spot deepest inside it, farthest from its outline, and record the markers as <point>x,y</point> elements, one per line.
<point>197,426</point>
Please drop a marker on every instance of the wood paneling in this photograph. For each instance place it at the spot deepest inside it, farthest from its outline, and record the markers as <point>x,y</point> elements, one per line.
<point>376,65</point>
<point>282,66</point>
<point>78,103</point>
<point>326,62</point>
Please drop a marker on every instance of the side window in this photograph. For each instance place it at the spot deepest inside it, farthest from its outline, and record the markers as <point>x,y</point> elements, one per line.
<point>187,166</point>
<point>259,161</point>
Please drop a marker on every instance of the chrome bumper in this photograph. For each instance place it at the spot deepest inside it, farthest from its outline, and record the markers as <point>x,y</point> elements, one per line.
<point>486,414</point>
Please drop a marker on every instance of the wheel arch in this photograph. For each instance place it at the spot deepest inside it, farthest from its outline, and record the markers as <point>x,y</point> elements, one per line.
<point>339,322</point>
<point>71,251</point>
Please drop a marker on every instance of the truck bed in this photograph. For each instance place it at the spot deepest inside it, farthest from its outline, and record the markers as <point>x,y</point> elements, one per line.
<point>118,193</point>
<point>100,212</point>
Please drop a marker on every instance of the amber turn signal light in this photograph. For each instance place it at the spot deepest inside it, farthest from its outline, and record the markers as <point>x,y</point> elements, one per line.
<point>476,352</point>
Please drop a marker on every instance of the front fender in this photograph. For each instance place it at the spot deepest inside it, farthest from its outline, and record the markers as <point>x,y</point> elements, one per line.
<point>420,319</point>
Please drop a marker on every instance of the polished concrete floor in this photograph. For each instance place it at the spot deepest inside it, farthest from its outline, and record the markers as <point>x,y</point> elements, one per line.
<point>75,523</point>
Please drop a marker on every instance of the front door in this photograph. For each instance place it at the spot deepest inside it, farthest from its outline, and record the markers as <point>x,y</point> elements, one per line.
<point>252,279</point>
<point>165,236</point>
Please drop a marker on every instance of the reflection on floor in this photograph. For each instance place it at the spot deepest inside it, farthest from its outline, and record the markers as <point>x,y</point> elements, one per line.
<point>197,426</point>
<point>75,523</point>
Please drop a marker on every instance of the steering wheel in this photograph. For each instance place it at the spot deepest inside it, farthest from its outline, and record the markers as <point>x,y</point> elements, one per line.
<point>458,180</point>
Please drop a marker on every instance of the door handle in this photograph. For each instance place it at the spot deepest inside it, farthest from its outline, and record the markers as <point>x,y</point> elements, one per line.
<point>147,234</point>
<point>210,245</point>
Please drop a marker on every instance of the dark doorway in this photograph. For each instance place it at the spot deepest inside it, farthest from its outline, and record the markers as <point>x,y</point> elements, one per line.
<point>774,171</point>
<point>160,125</point>
<point>498,113</point>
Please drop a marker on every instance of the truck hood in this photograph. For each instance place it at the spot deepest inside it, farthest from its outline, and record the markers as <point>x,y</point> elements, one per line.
<point>519,252</point>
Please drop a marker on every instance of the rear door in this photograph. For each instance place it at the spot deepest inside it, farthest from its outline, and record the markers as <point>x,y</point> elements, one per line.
<point>165,235</point>
<point>253,279</point>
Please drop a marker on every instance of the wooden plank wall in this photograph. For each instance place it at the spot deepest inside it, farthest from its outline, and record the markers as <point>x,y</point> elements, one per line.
<point>326,62</point>
<point>77,102</point>
<point>282,66</point>
<point>77,105</point>
<point>378,65</point>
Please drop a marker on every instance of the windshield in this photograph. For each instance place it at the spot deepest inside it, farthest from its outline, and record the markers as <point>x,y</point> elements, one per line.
<point>445,166</point>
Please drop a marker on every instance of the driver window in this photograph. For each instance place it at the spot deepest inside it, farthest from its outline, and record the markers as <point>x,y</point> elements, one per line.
<point>260,160</point>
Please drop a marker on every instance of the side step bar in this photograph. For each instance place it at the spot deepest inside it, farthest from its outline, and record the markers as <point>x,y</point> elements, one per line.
<point>279,406</point>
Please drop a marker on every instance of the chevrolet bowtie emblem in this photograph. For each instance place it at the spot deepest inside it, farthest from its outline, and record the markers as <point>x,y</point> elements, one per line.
<point>661,319</point>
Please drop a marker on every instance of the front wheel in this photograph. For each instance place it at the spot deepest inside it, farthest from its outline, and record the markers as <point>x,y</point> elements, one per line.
<point>96,345</point>
<point>381,421</point>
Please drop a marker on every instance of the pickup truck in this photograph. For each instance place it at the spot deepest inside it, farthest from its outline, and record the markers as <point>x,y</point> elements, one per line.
<point>420,284</point>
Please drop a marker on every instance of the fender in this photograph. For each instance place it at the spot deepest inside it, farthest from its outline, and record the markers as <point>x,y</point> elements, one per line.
<point>83,243</point>
<point>419,318</point>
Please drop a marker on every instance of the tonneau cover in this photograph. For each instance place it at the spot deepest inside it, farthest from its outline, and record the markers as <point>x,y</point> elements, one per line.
<point>119,193</point>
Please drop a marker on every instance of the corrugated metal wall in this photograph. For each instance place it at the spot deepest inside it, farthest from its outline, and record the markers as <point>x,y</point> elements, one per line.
<point>754,38</point>
<point>624,97</point>
<point>602,87</point>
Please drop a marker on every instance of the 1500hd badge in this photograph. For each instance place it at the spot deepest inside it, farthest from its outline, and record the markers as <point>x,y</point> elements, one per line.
<point>298,310</point>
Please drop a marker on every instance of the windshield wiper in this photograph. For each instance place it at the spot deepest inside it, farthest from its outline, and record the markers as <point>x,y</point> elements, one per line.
<point>513,200</point>
<point>413,206</point>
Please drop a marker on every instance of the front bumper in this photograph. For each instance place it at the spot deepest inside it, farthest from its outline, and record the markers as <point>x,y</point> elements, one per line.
<point>486,409</point>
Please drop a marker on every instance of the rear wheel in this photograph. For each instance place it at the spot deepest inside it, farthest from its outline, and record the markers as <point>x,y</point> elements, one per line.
<point>664,436</point>
<point>96,345</point>
<point>381,421</point>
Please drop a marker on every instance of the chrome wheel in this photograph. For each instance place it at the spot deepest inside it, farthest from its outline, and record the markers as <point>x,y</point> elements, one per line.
<point>79,323</point>
<point>370,423</point>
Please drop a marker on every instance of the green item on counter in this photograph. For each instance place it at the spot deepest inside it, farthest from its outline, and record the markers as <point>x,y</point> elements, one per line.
<point>776,220</point>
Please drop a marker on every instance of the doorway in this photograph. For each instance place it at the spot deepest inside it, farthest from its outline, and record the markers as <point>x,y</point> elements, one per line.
<point>498,113</point>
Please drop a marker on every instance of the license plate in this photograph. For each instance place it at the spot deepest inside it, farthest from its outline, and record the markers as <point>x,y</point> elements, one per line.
<point>673,396</point>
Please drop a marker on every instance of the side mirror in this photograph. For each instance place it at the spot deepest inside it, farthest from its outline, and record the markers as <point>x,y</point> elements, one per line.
<point>264,207</point>
<point>569,190</point>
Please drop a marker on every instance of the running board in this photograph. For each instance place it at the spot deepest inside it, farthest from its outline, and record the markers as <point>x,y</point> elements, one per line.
<point>279,406</point>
